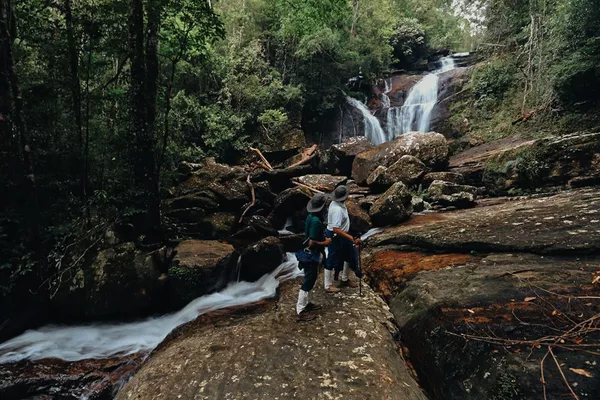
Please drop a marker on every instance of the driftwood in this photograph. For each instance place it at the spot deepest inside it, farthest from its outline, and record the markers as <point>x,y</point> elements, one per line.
<point>253,203</point>
<point>312,189</point>
<point>263,159</point>
<point>307,155</point>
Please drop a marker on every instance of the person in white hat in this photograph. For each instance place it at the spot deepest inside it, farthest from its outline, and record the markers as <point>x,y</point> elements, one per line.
<point>342,254</point>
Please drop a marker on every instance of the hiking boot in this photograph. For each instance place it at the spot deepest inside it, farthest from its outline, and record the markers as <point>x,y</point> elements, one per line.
<point>348,283</point>
<point>313,307</point>
<point>305,317</point>
<point>332,289</point>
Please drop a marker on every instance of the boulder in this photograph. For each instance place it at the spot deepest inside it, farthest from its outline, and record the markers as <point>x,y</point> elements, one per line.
<point>360,221</point>
<point>343,154</point>
<point>198,268</point>
<point>256,227</point>
<point>204,200</point>
<point>431,148</point>
<point>218,225</point>
<point>232,195</point>
<point>260,259</point>
<point>288,202</point>
<point>186,215</point>
<point>292,243</point>
<point>367,202</point>
<point>393,207</point>
<point>120,282</point>
<point>447,194</point>
<point>206,172</point>
<point>453,177</point>
<point>377,180</point>
<point>408,169</point>
<point>322,181</point>
<point>418,204</point>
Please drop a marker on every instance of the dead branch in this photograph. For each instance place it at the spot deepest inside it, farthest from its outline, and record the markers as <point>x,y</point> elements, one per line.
<point>307,155</point>
<point>562,373</point>
<point>249,182</point>
<point>264,160</point>
<point>542,373</point>
<point>302,185</point>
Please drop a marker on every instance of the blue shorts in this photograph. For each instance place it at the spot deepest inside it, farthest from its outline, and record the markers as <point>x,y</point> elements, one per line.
<point>339,251</point>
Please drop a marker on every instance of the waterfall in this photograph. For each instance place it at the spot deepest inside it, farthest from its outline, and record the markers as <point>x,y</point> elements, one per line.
<point>76,343</point>
<point>373,130</point>
<point>415,114</point>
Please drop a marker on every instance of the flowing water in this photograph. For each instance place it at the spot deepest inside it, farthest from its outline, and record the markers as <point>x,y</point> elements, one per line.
<point>373,131</point>
<point>415,114</point>
<point>74,343</point>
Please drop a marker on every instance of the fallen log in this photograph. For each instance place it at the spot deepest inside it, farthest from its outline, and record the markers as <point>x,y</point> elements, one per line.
<point>263,159</point>
<point>253,203</point>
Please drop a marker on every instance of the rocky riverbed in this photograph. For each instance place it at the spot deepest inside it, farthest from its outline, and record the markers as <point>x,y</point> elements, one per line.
<point>468,296</point>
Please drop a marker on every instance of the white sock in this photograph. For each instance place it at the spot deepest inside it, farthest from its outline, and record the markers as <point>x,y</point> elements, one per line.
<point>346,272</point>
<point>328,277</point>
<point>302,301</point>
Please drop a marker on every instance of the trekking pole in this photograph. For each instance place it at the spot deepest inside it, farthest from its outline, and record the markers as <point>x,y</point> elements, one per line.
<point>360,269</point>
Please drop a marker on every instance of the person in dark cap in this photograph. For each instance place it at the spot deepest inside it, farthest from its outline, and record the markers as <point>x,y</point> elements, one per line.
<point>310,257</point>
<point>342,253</point>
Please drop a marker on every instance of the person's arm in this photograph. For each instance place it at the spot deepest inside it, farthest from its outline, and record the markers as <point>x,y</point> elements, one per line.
<point>340,232</point>
<point>324,243</point>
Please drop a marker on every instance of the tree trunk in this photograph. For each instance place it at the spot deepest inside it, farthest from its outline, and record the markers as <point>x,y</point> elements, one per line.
<point>144,165</point>
<point>7,31</point>
<point>75,85</point>
<point>86,151</point>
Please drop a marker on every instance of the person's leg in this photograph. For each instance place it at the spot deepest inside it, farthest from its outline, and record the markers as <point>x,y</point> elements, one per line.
<point>303,294</point>
<point>332,260</point>
<point>311,273</point>
<point>350,263</point>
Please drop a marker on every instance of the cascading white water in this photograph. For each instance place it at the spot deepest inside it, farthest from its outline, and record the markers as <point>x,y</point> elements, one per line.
<point>76,343</point>
<point>373,131</point>
<point>415,114</point>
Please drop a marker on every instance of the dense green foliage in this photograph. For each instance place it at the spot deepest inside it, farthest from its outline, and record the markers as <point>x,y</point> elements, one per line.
<point>117,92</point>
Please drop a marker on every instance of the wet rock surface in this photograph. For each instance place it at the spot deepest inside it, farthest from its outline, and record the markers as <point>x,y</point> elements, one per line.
<point>199,267</point>
<point>119,283</point>
<point>57,379</point>
<point>481,295</point>
<point>260,259</point>
<point>568,222</point>
<point>347,352</point>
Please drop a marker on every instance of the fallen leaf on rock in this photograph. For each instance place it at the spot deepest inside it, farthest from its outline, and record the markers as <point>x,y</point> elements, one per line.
<point>471,311</point>
<point>580,371</point>
<point>596,279</point>
<point>530,298</point>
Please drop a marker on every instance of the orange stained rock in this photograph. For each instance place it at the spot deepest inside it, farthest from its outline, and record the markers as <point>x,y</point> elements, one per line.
<point>389,270</point>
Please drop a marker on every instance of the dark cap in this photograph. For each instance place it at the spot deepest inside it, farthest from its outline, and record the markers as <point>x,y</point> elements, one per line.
<point>317,203</point>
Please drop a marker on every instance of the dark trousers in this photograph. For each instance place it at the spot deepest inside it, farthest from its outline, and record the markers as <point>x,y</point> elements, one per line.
<point>311,271</point>
<point>342,250</point>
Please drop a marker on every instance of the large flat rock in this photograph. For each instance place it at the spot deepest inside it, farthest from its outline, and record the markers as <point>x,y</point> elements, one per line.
<point>347,352</point>
<point>480,329</point>
<point>482,295</point>
<point>568,222</point>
